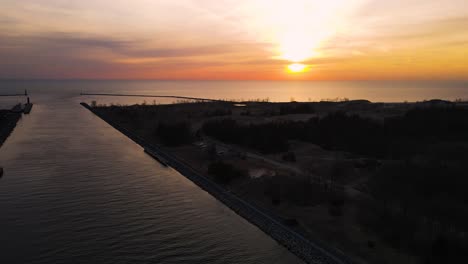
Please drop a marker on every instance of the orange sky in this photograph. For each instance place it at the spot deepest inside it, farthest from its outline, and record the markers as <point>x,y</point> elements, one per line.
<point>227,39</point>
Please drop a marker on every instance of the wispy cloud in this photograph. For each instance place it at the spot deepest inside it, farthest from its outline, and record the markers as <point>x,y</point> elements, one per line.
<point>193,38</point>
<point>65,54</point>
<point>72,42</point>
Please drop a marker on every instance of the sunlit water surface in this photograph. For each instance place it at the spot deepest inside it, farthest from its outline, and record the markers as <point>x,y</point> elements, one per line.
<point>77,191</point>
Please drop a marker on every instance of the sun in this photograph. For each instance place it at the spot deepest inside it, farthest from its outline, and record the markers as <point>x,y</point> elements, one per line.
<point>297,47</point>
<point>297,67</point>
<point>302,30</point>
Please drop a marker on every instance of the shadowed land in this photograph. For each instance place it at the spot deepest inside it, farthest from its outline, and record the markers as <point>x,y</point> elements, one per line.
<point>384,183</point>
<point>16,94</point>
<point>8,120</point>
<point>311,252</point>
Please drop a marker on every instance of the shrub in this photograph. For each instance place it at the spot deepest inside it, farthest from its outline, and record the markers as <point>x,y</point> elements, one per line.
<point>225,173</point>
<point>296,108</point>
<point>218,112</point>
<point>336,203</point>
<point>266,138</point>
<point>294,190</point>
<point>290,157</point>
<point>174,134</point>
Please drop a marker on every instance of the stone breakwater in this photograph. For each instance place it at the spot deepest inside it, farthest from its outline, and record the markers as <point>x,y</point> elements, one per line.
<point>305,249</point>
<point>8,120</point>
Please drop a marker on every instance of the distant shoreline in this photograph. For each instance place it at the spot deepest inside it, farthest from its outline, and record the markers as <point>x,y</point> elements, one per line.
<point>277,91</point>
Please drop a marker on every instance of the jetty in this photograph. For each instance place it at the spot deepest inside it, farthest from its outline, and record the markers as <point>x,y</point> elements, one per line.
<point>11,95</point>
<point>310,251</point>
<point>158,96</point>
<point>18,108</point>
<point>8,120</point>
<point>16,94</point>
<point>157,157</point>
<point>27,108</point>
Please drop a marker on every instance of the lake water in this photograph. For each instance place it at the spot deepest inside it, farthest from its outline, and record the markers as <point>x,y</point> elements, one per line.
<point>77,191</point>
<point>375,91</point>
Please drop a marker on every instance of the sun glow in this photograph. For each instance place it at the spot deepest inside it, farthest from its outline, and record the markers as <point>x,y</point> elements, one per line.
<point>296,48</point>
<point>300,28</point>
<point>297,67</point>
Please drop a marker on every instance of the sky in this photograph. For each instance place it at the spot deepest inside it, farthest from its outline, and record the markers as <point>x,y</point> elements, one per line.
<point>234,39</point>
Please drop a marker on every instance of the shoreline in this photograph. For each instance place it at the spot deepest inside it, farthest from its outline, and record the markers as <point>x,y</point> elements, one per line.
<point>307,250</point>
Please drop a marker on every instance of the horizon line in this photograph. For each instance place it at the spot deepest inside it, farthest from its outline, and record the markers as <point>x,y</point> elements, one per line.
<point>238,80</point>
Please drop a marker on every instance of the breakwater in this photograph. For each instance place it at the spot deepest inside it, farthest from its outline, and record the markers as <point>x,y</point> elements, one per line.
<point>305,249</point>
<point>156,96</point>
<point>5,95</point>
<point>8,120</point>
<point>27,108</point>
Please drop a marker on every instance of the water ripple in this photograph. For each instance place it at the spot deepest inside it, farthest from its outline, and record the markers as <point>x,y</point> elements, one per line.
<point>75,190</point>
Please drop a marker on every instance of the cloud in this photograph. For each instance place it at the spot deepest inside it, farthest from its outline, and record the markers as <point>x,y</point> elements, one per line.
<point>66,54</point>
<point>130,48</point>
<point>112,38</point>
<point>5,20</point>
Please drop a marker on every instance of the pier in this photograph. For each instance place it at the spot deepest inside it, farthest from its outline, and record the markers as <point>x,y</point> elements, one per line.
<point>11,95</point>
<point>158,96</point>
<point>16,94</point>
<point>156,156</point>
<point>27,108</point>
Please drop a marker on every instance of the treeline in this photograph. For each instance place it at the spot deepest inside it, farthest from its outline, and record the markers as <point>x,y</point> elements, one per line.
<point>174,134</point>
<point>292,189</point>
<point>421,207</point>
<point>296,108</point>
<point>135,116</point>
<point>263,137</point>
<point>396,137</point>
<point>224,173</point>
<point>145,120</point>
<point>218,112</point>
<point>288,109</point>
